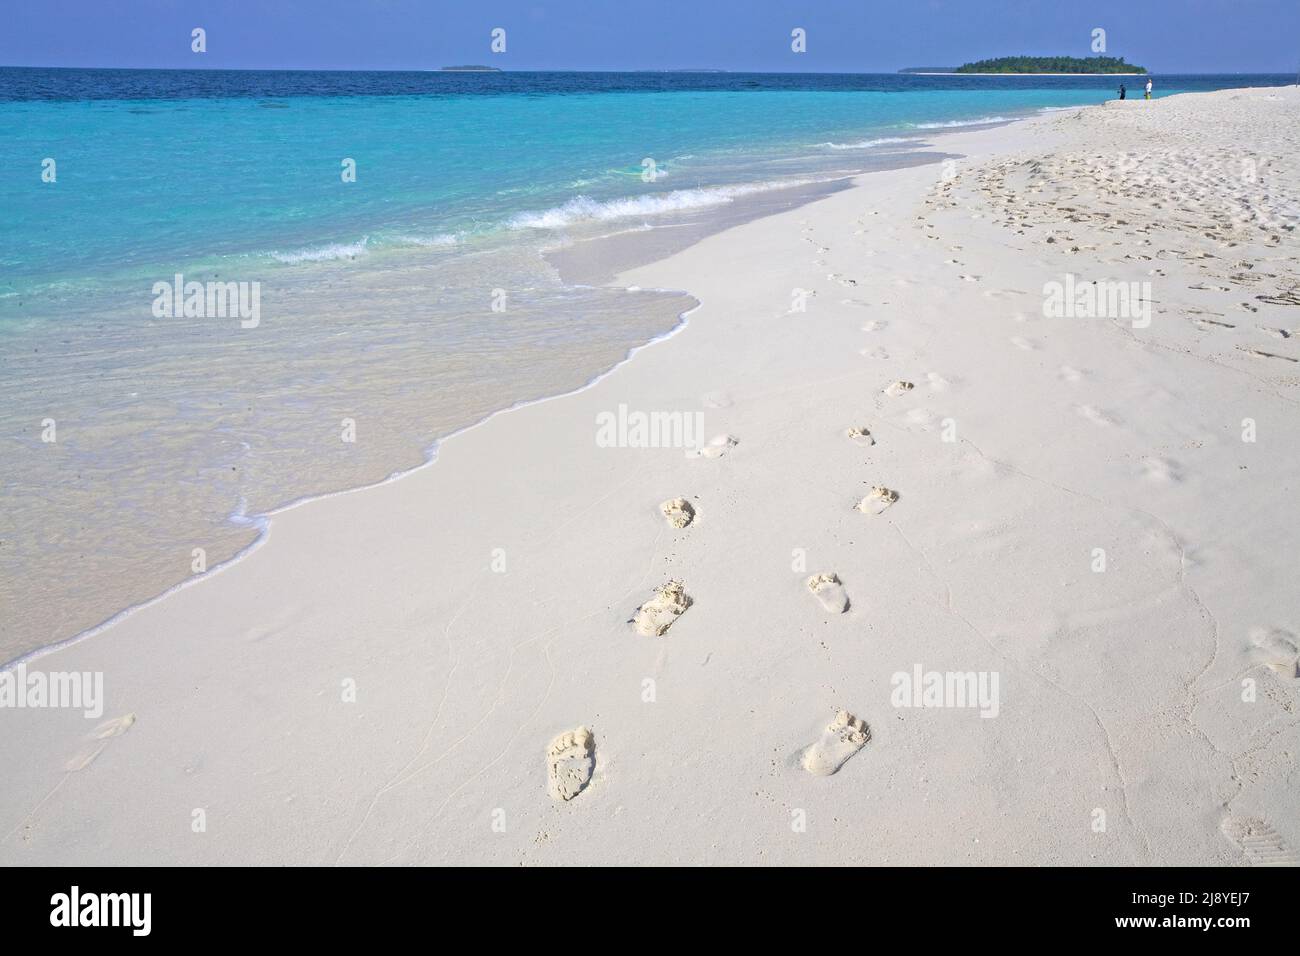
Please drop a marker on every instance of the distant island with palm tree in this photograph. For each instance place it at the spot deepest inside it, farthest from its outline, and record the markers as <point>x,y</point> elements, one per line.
<point>1061,65</point>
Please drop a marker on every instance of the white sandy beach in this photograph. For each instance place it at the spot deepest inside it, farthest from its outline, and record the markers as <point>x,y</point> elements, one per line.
<point>481,605</point>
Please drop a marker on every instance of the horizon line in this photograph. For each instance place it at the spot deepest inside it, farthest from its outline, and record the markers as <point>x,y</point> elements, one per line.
<point>911,70</point>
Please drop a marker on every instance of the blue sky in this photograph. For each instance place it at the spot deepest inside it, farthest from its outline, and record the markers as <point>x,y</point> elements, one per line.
<point>843,35</point>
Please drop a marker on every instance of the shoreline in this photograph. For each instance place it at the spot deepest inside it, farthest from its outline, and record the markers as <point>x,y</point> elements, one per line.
<point>262,521</point>
<point>145,558</point>
<point>463,674</point>
<point>747,209</point>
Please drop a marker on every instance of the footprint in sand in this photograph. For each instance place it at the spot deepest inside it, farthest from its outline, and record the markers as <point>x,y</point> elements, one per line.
<point>717,446</point>
<point>716,400</point>
<point>829,591</point>
<point>1023,344</point>
<point>1208,325</point>
<point>877,500</point>
<point>937,382</point>
<point>860,435</point>
<point>1070,374</point>
<point>1262,354</point>
<point>678,511</point>
<point>899,388</point>
<point>844,736</point>
<point>100,738</point>
<point>1096,415</point>
<point>1288,297</point>
<point>1258,841</point>
<point>570,760</point>
<point>1277,650</point>
<point>875,325</point>
<point>969,278</point>
<point>921,418</point>
<point>1162,471</point>
<point>656,615</point>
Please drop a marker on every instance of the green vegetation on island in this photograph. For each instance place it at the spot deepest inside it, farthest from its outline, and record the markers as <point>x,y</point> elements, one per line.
<point>1051,64</point>
<point>469,69</point>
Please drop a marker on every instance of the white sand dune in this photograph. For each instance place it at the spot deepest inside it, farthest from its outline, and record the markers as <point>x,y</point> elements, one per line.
<point>1103,514</point>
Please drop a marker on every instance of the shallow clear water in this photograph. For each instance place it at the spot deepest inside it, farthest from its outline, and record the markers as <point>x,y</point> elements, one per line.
<point>376,296</point>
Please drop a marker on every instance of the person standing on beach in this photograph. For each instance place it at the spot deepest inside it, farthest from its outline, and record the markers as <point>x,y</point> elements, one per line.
<point>1123,91</point>
<point>1148,96</point>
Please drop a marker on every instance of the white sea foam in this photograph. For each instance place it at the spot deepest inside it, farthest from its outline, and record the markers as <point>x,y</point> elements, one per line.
<point>583,208</point>
<point>640,227</point>
<point>441,240</point>
<point>867,143</point>
<point>335,250</point>
<point>953,123</point>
